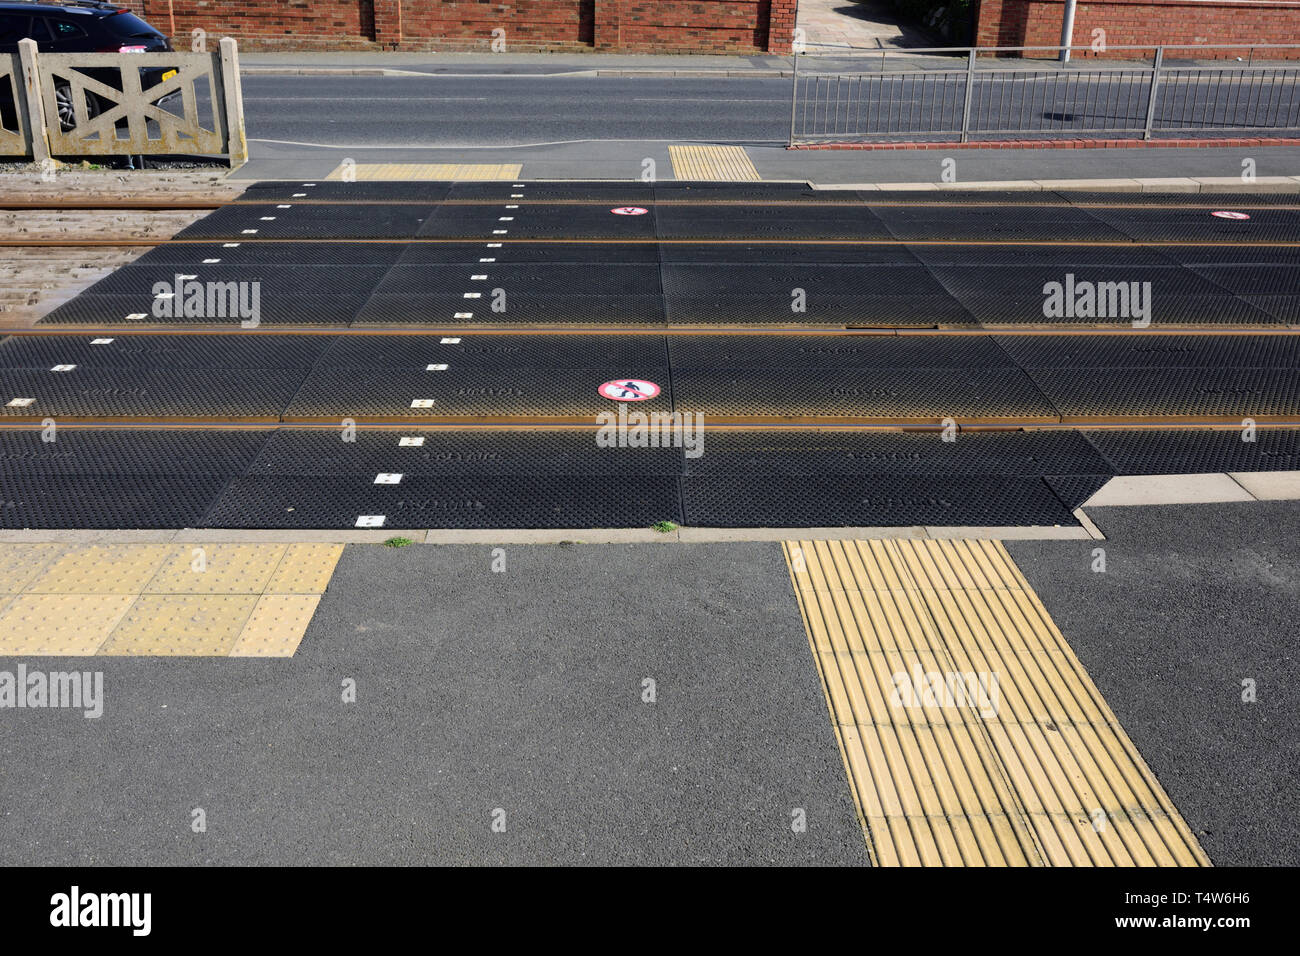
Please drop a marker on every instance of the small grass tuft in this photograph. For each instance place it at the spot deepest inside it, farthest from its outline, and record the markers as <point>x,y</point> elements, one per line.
<point>398,542</point>
<point>664,527</point>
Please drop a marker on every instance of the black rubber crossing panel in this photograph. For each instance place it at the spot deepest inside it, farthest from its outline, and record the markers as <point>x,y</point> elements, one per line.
<point>469,351</point>
<point>1063,257</point>
<point>533,279</point>
<point>512,310</point>
<point>588,254</point>
<point>247,350</point>
<point>272,282</point>
<point>787,254</point>
<point>84,451</point>
<point>308,221</point>
<point>1139,350</point>
<point>127,502</point>
<point>499,501</point>
<point>415,452</point>
<point>613,193</point>
<point>1187,452</point>
<point>768,222</point>
<point>1232,393</point>
<point>1075,490</point>
<point>278,310</point>
<point>1200,225</point>
<point>1002,310</point>
<point>1253,279</point>
<point>994,222</point>
<point>228,395</point>
<point>264,254</point>
<point>789,452</point>
<point>836,351</point>
<point>1074,283</point>
<point>911,395</point>
<point>1282,308</point>
<point>1233,255</point>
<point>490,223</point>
<point>822,311</point>
<point>333,394</point>
<point>830,280</point>
<point>413,191</point>
<point>869,501</point>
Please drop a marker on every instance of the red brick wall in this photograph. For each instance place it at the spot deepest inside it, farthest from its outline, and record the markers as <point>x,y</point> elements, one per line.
<point>1132,22</point>
<point>704,26</point>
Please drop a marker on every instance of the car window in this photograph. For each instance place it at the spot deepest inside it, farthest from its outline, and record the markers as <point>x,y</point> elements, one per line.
<point>63,30</point>
<point>13,27</point>
<point>38,31</point>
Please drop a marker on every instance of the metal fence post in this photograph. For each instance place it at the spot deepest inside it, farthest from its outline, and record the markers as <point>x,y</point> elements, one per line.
<point>970,92</point>
<point>794,96</point>
<point>234,97</point>
<point>1155,85</point>
<point>35,108</point>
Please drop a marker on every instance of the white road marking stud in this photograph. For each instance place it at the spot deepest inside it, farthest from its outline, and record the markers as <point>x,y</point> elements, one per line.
<point>493,259</point>
<point>230,245</point>
<point>250,232</point>
<point>473,295</point>
<point>512,207</point>
<point>505,219</point>
<point>499,232</point>
<point>435,368</point>
<point>516,195</point>
<point>299,195</point>
<point>422,403</point>
<point>100,341</point>
<point>268,219</point>
<point>494,245</point>
<point>455,341</point>
<point>136,316</point>
<point>186,278</point>
<point>165,295</point>
<point>309,184</point>
<point>63,368</point>
<point>210,262</point>
<point>464,315</point>
<point>370,521</point>
<point>518,186</point>
<point>21,402</point>
<point>477,278</point>
<point>384,478</point>
<point>285,206</point>
<point>411,442</point>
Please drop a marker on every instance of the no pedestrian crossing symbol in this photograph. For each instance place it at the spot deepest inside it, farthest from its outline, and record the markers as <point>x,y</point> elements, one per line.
<point>629,390</point>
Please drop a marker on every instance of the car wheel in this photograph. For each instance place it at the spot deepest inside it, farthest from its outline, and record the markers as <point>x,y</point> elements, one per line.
<point>67,114</point>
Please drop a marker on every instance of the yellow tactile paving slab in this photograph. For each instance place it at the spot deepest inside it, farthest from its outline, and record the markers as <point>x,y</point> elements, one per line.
<point>728,163</point>
<point>240,600</point>
<point>276,626</point>
<point>218,569</point>
<point>74,625</point>
<point>970,731</point>
<point>461,172</point>
<point>181,625</point>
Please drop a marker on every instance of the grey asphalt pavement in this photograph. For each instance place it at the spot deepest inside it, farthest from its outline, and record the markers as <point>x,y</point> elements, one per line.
<point>476,691</point>
<point>1195,599</point>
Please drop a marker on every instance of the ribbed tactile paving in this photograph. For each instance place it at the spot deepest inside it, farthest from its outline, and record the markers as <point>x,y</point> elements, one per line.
<point>96,501</point>
<point>766,501</point>
<point>1153,351</point>
<point>86,393</point>
<point>244,351</point>
<point>866,351</point>
<point>1186,452</point>
<point>471,351</point>
<point>1001,222</point>
<point>556,501</point>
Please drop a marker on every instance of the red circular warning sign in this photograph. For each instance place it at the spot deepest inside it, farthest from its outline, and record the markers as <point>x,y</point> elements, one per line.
<point>629,390</point>
<point>629,211</point>
<point>1228,214</point>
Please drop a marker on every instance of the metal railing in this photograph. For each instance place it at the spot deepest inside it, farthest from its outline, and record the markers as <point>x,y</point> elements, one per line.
<point>959,94</point>
<point>98,104</point>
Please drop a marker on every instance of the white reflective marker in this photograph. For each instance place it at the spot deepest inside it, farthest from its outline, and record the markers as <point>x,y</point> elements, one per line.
<point>499,232</point>
<point>63,368</point>
<point>479,278</point>
<point>299,195</point>
<point>384,478</point>
<point>268,219</point>
<point>505,219</point>
<point>493,259</point>
<point>473,295</point>
<point>370,521</point>
<point>455,341</point>
<point>414,441</point>
<point>422,403</point>
<point>512,207</point>
<point>210,262</point>
<point>285,206</point>
<point>516,195</point>
<point>250,232</point>
<point>100,341</point>
<point>20,402</point>
<point>186,278</point>
<point>464,315</point>
<point>230,245</point>
<point>165,295</point>
<point>435,368</point>
<point>136,316</point>
<point>494,245</point>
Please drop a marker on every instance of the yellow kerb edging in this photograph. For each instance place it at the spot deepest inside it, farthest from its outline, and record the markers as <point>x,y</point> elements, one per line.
<point>970,731</point>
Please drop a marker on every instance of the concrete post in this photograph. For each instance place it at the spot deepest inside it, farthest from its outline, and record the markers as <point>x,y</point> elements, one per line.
<point>234,96</point>
<point>32,104</point>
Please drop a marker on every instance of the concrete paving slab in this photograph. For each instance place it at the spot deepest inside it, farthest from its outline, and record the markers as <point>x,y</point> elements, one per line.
<point>1270,485</point>
<point>1167,490</point>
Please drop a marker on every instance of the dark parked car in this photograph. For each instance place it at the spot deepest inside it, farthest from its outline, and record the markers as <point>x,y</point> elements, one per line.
<point>79,26</point>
